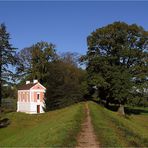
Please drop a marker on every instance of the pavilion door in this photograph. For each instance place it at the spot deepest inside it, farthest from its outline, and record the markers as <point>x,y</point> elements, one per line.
<point>38,108</point>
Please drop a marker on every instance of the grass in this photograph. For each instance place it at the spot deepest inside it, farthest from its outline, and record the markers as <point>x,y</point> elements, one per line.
<point>60,128</point>
<point>56,128</point>
<point>114,130</point>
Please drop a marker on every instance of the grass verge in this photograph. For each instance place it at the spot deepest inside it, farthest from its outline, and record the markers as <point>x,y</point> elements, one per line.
<point>114,130</point>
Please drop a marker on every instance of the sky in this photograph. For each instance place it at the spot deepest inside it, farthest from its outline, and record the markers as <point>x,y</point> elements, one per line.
<point>66,24</point>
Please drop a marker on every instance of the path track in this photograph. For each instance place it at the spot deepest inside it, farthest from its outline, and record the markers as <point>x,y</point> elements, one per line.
<point>87,137</point>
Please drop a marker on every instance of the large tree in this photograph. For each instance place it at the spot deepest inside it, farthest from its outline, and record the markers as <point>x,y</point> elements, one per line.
<point>117,60</point>
<point>66,83</point>
<point>33,61</point>
<point>7,58</point>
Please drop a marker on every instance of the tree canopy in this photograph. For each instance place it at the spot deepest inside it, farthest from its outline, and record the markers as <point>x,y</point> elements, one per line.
<point>117,61</point>
<point>33,61</point>
<point>65,85</point>
<point>60,74</point>
<point>116,67</point>
<point>7,54</point>
<point>7,58</point>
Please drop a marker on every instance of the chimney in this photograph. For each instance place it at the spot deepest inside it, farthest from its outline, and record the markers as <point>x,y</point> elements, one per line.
<point>35,81</point>
<point>27,82</point>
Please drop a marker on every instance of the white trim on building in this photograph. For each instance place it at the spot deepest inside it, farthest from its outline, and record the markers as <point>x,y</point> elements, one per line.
<point>27,103</point>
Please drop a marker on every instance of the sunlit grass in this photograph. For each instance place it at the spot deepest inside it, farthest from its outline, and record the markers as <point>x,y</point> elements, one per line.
<point>115,130</point>
<point>55,128</point>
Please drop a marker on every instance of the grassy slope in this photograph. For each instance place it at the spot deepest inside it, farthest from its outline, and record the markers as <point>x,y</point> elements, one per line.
<point>56,128</point>
<point>114,130</point>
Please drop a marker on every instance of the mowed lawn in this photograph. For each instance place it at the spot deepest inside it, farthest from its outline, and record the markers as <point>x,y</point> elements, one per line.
<point>60,128</point>
<point>114,130</point>
<point>56,128</point>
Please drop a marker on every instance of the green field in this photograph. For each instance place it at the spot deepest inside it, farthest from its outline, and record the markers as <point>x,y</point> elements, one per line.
<point>115,130</point>
<point>60,128</point>
<point>55,128</point>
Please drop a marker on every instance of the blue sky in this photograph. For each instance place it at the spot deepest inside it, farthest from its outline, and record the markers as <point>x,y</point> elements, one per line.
<point>66,24</point>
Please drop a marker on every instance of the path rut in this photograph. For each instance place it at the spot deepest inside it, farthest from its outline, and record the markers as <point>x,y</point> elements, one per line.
<point>87,137</point>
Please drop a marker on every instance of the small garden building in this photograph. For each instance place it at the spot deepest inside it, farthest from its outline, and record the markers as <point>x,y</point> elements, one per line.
<point>31,98</point>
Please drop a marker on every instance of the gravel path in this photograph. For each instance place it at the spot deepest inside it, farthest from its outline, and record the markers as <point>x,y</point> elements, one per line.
<point>87,137</point>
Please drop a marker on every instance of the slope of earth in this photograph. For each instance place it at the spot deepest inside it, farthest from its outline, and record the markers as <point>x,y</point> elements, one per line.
<point>56,128</point>
<point>114,130</point>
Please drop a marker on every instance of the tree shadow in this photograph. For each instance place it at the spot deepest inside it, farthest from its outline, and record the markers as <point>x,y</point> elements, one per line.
<point>136,111</point>
<point>128,110</point>
<point>4,122</point>
<point>113,108</point>
<point>96,101</point>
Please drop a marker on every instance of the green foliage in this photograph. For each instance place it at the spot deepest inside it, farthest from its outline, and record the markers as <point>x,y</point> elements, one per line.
<point>33,61</point>
<point>9,92</point>
<point>65,82</point>
<point>7,59</point>
<point>9,98</point>
<point>138,101</point>
<point>7,53</point>
<point>65,85</point>
<point>117,61</point>
<point>53,129</point>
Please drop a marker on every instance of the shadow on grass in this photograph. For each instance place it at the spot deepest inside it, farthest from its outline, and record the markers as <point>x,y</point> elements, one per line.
<point>4,122</point>
<point>128,110</point>
<point>136,111</point>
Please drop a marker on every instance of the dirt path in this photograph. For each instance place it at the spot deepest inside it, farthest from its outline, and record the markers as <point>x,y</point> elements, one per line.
<point>87,137</point>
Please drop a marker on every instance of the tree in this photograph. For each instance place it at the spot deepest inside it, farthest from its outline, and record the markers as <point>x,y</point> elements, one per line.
<point>66,83</point>
<point>7,59</point>
<point>59,74</point>
<point>70,58</point>
<point>33,61</point>
<point>116,58</point>
<point>23,68</point>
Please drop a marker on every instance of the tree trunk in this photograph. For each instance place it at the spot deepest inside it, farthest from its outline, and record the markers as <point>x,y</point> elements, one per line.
<point>121,110</point>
